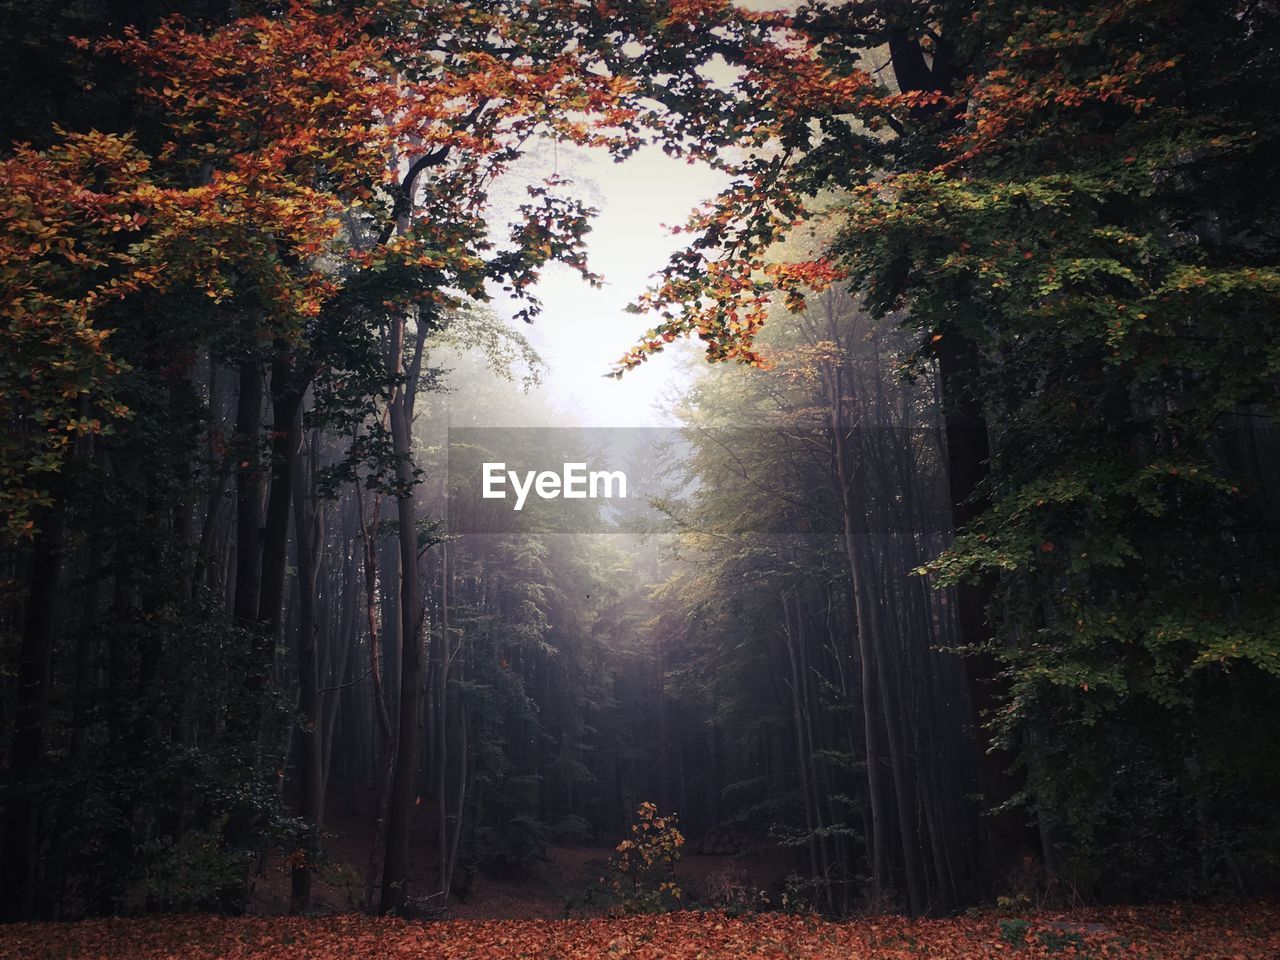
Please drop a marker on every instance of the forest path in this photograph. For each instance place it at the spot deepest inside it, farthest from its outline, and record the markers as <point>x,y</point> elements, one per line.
<point>1249,930</point>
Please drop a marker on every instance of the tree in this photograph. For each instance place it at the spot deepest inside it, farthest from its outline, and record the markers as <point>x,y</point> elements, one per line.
<point>314,167</point>
<point>1063,204</point>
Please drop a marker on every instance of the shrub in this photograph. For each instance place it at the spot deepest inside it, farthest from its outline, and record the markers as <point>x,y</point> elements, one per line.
<point>642,873</point>
<point>1013,931</point>
<point>571,830</point>
<point>195,871</point>
<point>519,844</point>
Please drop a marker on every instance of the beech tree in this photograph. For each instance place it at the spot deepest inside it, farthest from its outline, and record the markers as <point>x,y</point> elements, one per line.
<point>317,167</point>
<point>1061,204</point>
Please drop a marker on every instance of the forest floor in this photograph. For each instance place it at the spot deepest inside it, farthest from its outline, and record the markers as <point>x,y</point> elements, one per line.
<point>1248,930</point>
<point>521,916</point>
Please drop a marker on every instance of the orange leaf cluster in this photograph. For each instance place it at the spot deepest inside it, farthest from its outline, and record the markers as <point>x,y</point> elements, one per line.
<point>1041,68</point>
<point>302,149</point>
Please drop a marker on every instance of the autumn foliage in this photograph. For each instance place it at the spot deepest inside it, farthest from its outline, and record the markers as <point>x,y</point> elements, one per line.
<point>218,308</point>
<point>644,867</point>
<point>294,165</point>
<point>1248,931</point>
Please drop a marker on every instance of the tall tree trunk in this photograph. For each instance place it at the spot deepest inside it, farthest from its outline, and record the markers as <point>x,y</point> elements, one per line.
<point>248,585</point>
<point>368,530</point>
<point>818,864</point>
<point>395,863</point>
<point>287,388</point>
<point>389,594</point>
<point>310,732</point>
<point>247,556</point>
<point>455,843</point>
<point>345,644</point>
<point>877,847</point>
<point>18,875</point>
<point>1010,838</point>
<point>442,727</point>
<point>85,643</point>
<point>894,703</point>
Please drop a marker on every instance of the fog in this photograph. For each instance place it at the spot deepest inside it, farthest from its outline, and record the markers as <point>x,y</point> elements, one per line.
<point>583,330</point>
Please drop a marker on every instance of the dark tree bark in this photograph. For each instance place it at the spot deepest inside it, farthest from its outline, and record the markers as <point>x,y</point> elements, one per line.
<point>288,385</point>
<point>248,585</point>
<point>441,768</point>
<point>404,778</point>
<point>877,844</point>
<point>1010,838</point>
<point>310,733</point>
<point>18,875</point>
<point>368,528</point>
<point>968,453</point>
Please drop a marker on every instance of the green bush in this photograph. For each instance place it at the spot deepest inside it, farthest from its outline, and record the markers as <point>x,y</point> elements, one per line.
<point>518,844</point>
<point>193,872</point>
<point>1013,931</point>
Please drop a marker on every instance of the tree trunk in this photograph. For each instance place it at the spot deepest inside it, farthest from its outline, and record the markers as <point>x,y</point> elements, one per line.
<point>442,727</point>
<point>1010,839</point>
<point>368,529</point>
<point>18,875</point>
<point>310,731</point>
<point>248,585</point>
<point>395,863</point>
<point>287,388</point>
<point>878,844</point>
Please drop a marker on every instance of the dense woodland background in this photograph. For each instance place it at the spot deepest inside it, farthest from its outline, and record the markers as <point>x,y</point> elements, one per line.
<point>996,267</point>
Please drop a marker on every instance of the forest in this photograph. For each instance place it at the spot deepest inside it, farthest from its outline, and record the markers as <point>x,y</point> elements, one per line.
<point>906,584</point>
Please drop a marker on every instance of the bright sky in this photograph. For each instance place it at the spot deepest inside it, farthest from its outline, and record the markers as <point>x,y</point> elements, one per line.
<point>582,330</point>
